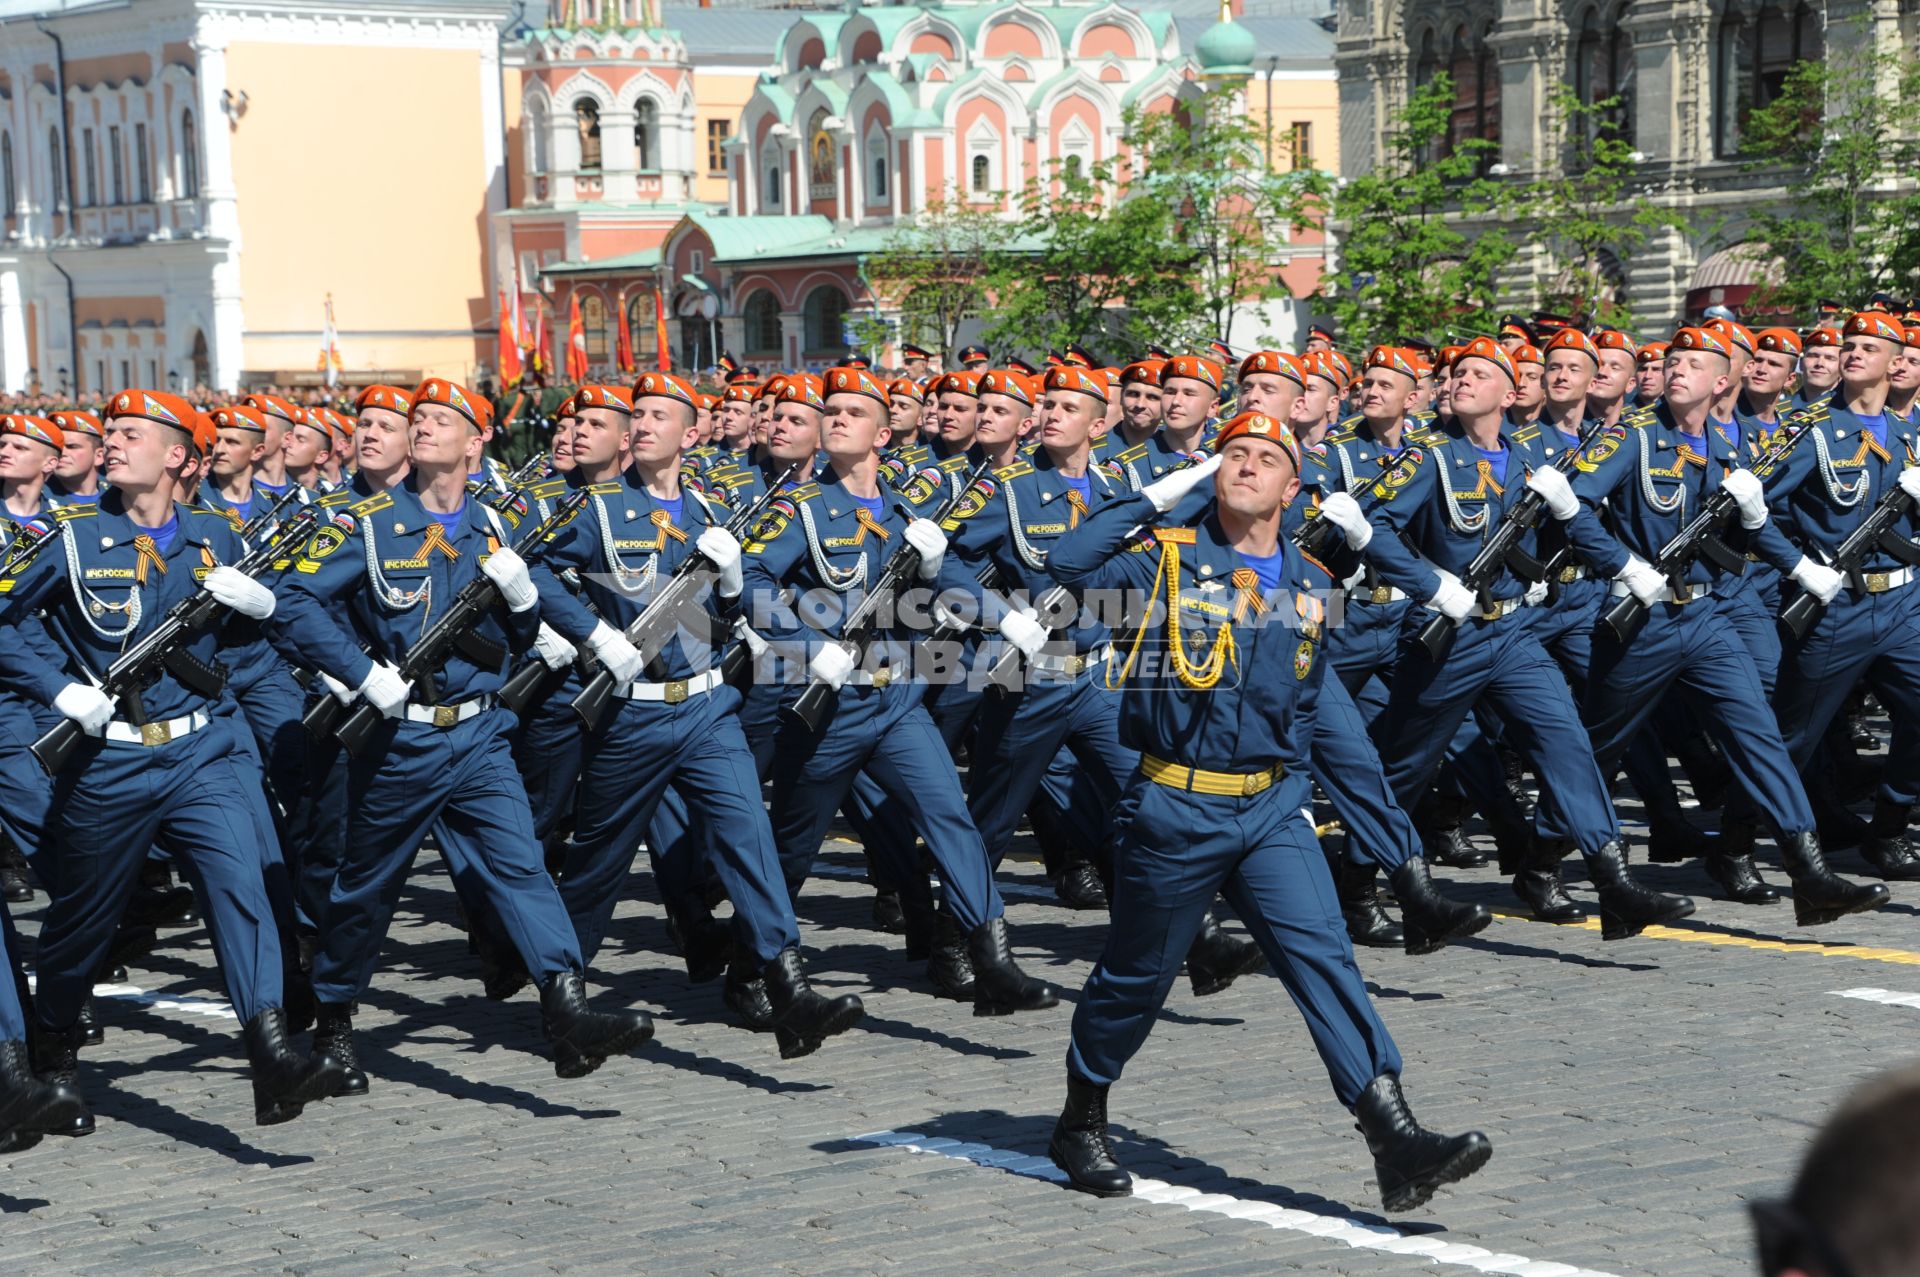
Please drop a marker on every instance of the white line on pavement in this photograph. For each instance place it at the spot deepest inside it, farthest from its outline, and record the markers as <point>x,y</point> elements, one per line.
<point>1887,996</point>
<point>1340,1228</point>
<point>212,1008</point>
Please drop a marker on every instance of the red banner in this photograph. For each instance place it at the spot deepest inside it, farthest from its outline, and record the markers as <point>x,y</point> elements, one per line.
<point>510,370</point>
<point>576,343</point>
<point>660,330</point>
<point>623,345</point>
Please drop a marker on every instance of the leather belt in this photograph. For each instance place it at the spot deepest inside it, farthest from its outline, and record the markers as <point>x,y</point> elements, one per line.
<point>1072,666</point>
<point>1193,779</point>
<point>1881,582</point>
<point>1569,575</point>
<point>1688,593</point>
<point>159,733</point>
<point>871,678</point>
<point>1498,609</point>
<point>1376,594</point>
<point>673,691</point>
<point>444,716</point>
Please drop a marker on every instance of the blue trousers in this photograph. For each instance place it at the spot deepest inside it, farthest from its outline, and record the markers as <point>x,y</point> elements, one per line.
<point>1347,768</point>
<point>1693,648</point>
<point>188,797</point>
<point>317,831</point>
<point>1017,737</point>
<point>886,733</point>
<point>548,747</point>
<point>24,788</point>
<point>459,784</point>
<point>1502,663</point>
<point>1745,611</point>
<point>1174,852</point>
<point>13,1016</point>
<point>696,747</point>
<point>272,704</point>
<point>1873,638</point>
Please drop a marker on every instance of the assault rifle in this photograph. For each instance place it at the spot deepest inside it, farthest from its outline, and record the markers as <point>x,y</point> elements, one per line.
<point>1876,532</point>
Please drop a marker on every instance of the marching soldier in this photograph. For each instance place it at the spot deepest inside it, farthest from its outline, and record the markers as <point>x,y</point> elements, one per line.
<point>1612,382</point>
<point>1819,365</point>
<point>1650,382</point>
<point>76,476</point>
<point>1189,389</point>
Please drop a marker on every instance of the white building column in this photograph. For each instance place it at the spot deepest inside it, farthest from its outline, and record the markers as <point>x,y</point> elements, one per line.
<point>217,191</point>
<point>225,342</point>
<point>15,358</point>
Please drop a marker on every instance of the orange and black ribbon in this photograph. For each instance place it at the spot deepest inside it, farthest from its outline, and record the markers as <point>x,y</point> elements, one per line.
<point>437,540</point>
<point>149,553</point>
<point>664,521</point>
<point>1079,504</point>
<point>868,524</point>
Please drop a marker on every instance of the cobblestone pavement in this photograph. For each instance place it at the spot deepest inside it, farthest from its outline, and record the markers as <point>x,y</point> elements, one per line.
<point>1636,1094</point>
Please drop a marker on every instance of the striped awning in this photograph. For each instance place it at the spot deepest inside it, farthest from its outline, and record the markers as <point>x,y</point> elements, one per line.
<point>1740,265</point>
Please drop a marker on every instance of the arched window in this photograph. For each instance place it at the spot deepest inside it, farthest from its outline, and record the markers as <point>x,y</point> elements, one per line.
<point>1783,35</point>
<point>982,175</point>
<point>586,118</point>
<point>56,170</point>
<point>762,321</point>
<point>646,135</point>
<point>1731,90</point>
<point>770,190</point>
<point>593,318</point>
<point>189,158</point>
<point>640,317</point>
<point>822,322</point>
<point>1603,68</point>
<point>535,130</point>
<point>142,168</point>
<point>1476,92</point>
<point>6,171</point>
<point>879,191</point>
<point>202,361</point>
<point>90,166</point>
<point>1427,65</point>
<point>820,157</point>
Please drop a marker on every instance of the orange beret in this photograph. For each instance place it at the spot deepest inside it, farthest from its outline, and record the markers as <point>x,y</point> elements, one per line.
<point>451,394</point>
<point>1447,355</point>
<point>1332,366</point>
<point>1082,381</point>
<point>38,429</point>
<point>802,388</point>
<point>771,390</point>
<point>1194,368</point>
<point>1490,350</point>
<point>1277,362</point>
<point>1526,353</point>
<point>1702,339</point>
<point>72,421</point>
<point>204,435</point>
<point>905,388</point>
<point>1395,359</point>
<point>741,392</point>
<point>1652,353</point>
<point>958,383</point>
<point>704,401</point>
<point>1736,334</point>
<point>392,398</point>
<point>657,385</point>
<point>1260,426</point>
<point>1574,339</point>
<point>1876,323</point>
<point>275,406</point>
<point>1015,385</point>
<point>155,405</point>
<point>239,417</point>
<point>1823,336</point>
<point>854,381</point>
<point>1784,341</point>
<point>1142,372</point>
<point>613,398</point>
<point>1614,339</point>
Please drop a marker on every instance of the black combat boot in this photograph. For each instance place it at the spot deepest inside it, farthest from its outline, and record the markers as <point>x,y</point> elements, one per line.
<point>705,943</point>
<point>1820,895</point>
<point>1886,846</point>
<point>807,1017</point>
<point>1672,838</point>
<point>1626,907</point>
<point>284,1081</point>
<point>1079,887</point>
<point>583,1039</point>
<point>1215,959</point>
<point>1429,918</point>
<point>1368,922</point>
<point>745,994</point>
<point>1439,821</point>
<point>92,1032</point>
<point>31,1107</point>
<point>503,972</point>
<point>14,883</point>
<point>949,965</point>
<point>1000,987</point>
<point>333,1036</point>
<point>56,1058</point>
<point>1408,1161</point>
<point>1839,827</point>
<point>1080,1146</point>
<point>1537,883</point>
<point>887,913</point>
<point>1730,864</point>
<point>157,902</point>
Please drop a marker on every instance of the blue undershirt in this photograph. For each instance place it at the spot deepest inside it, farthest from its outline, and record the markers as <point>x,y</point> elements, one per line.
<point>672,505</point>
<point>243,508</point>
<point>1083,485</point>
<point>1266,567</point>
<point>875,506</point>
<point>451,522</point>
<point>277,489</point>
<point>164,534</point>
<point>1498,459</point>
<point>1730,428</point>
<point>1878,424</point>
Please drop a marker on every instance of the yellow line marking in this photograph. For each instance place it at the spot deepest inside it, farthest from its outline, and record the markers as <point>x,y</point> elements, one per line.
<point>1706,935</point>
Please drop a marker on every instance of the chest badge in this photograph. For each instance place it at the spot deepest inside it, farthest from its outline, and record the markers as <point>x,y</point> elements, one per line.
<point>1303,659</point>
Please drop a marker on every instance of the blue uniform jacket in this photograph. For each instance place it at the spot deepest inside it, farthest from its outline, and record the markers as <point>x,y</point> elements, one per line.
<point>1830,483</point>
<point>95,589</point>
<point>372,579</point>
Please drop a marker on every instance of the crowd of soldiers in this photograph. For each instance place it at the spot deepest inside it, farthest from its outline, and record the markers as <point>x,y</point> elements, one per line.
<point>1242,631</point>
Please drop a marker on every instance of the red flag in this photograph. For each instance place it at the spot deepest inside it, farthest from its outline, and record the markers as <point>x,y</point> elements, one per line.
<point>540,361</point>
<point>509,345</point>
<point>623,344</point>
<point>576,343</point>
<point>660,330</point>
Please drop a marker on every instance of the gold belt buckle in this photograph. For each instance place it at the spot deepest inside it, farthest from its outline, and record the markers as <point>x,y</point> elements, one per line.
<point>155,733</point>
<point>1382,594</point>
<point>446,715</point>
<point>1683,594</point>
<point>883,676</point>
<point>1569,575</point>
<point>1879,582</point>
<point>676,691</point>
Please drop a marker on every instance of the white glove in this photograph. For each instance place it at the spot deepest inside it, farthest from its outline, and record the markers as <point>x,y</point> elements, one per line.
<point>86,705</point>
<point>611,648</point>
<point>1555,491</point>
<point>554,650</point>
<point>341,692</point>
<point>925,536</point>
<point>1817,579</point>
<point>1536,594</point>
<point>1024,631</point>
<point>1344,513</point>
<point>1744,487</point>
<point>1165,492</point>
<point>831,665</point>
<point>508,571</point>
<point>721,550</point>
<point>1910,482</point>
<point>1452,599</point>
<point>1644,581</point>
<point>384,689</point>
<point>235,589</point>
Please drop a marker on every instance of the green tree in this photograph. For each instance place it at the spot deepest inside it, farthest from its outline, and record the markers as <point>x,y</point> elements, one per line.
<point>933,269</point>
<point>1586,212</point>
<point>1406,265</point>
<point>1838,131</point>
